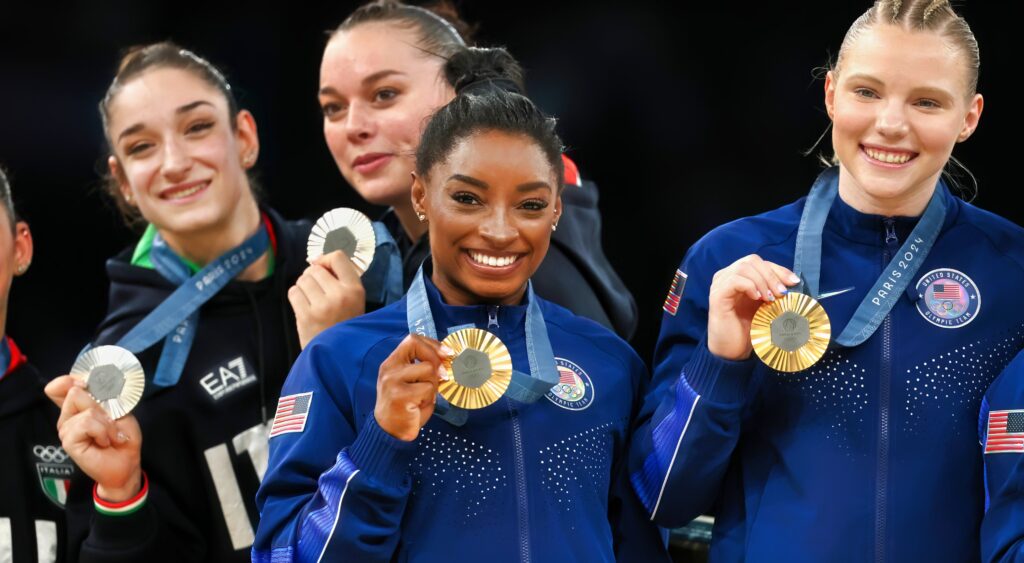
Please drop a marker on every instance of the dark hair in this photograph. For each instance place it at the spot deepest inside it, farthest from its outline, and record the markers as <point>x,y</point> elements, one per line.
<point>134,63</point>
<point>440,29</point>
<point>5,199</point>
<point>488,86</point>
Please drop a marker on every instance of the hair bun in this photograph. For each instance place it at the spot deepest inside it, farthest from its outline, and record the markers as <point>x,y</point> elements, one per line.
<point>475,67</point>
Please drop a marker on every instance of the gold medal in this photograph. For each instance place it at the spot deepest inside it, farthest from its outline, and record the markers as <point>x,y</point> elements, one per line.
<point>791,333</point>
<point>114,378</point>
<point>480,371</point>
<point>346,230</point>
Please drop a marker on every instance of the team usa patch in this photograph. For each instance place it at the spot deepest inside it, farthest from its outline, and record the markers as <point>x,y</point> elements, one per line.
<point>675,293</point>
<point>1005,432</point>
<point>55,470</point>
<point>949,299</point>
<point>292,412</point>
<point>574,390</point>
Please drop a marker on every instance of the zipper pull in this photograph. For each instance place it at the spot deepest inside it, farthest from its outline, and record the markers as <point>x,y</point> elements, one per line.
<point>492,316</point>
<point>890,232</point>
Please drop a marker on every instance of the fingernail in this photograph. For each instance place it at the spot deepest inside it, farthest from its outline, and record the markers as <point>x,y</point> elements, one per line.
<point>781,289</point>
<point>442,373</point>
<point>757,295</point>
<point>794,278</point>
<point>122,437</point>
<point>80,383</point>
<point>447,351</point>
<point>771,297</point>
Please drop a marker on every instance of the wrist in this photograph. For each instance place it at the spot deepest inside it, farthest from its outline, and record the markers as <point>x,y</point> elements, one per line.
<point>122,492</point>
<point>111,506</point>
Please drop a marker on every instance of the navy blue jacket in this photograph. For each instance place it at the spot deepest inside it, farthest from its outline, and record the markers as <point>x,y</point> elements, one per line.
<point>872,453</point>
<point>535,482</point>
<point>1001,429</point>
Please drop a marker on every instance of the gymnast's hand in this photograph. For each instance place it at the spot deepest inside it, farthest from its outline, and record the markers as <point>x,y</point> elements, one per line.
<point>407,386</point>
<point>328,292</point>
<point>107,450</point>
<point>736,293</point>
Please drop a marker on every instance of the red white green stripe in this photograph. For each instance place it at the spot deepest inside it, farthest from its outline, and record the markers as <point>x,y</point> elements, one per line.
<point>121,508</point>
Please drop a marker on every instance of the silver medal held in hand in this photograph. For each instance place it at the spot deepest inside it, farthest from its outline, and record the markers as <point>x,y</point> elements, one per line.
<point>346,230</point>
<point>113,376</point>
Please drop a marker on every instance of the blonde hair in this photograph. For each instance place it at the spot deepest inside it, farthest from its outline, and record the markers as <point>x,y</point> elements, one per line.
<point>920,15</point>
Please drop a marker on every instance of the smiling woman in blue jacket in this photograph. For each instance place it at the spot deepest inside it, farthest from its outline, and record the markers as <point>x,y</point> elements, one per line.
<point>368,463</point>
<point>871,453</point>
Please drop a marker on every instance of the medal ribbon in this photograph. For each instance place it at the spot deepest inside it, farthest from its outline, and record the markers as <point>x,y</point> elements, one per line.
<point>5,357</point>
<point>174,321</point>
<point>897,274</point>
<point>382,280</point>
<point>525,388</point>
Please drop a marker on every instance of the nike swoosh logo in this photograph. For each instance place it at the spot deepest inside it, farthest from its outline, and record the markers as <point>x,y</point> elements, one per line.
<point>834,293</point>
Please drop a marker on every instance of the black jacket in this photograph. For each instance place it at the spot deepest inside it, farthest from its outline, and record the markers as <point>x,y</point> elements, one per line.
<point>35,471</point>
<point>205,439</point>
<point>575,273</point>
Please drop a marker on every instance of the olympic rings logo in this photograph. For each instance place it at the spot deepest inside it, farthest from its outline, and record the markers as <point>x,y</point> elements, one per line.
<point>50,454</point>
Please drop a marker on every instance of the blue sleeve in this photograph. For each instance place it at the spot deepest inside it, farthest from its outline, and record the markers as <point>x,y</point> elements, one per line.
<point>690,422</point>
<point>337,489</point>
<point>1002,528</point>
<point>635,537</point>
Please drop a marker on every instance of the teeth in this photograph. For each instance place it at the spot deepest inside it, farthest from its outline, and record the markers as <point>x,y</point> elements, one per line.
<point>494,261</point>
<point>185,193</point>
<point>888,157</point>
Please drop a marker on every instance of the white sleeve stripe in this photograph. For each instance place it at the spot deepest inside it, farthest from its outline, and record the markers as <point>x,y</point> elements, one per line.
<point>337,516</point>
<point>674,454</point>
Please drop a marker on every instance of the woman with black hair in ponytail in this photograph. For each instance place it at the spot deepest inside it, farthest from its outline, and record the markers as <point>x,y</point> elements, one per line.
<point>381,78</point>
<point>36,472</point>
<point>471,420</point>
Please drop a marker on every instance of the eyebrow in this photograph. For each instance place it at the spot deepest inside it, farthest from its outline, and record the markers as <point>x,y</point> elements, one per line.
<point>380,74</point>
<point>528,186</point>
<point>183,109</point>
<point>932,90</point>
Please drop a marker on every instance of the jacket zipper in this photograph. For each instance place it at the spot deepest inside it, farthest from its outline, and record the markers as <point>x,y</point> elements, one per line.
<point>522,511</point>
<point>885,392</point>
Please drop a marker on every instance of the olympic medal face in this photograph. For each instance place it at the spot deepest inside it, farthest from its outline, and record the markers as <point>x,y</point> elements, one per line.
<point>480,371</point>
<point>113,377</point>
<point>790,334</point>
<point>346,230</point>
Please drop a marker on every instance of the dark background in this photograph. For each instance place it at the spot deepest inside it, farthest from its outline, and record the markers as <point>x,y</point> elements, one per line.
<point>685,117</point>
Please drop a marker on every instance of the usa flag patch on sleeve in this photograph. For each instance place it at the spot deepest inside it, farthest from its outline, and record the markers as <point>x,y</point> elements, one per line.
<point>675,293</point>
<point>1005,432</point>
<point>291,415</point>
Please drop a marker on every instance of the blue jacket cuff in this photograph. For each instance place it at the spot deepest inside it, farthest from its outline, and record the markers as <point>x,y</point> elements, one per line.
<point>381,456</point>
<point>716,379</point>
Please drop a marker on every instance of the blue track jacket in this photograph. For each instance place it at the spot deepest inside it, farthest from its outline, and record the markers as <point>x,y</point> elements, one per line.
<point>1001,428</point>
<point>872,453</point>
<point>533,482</point>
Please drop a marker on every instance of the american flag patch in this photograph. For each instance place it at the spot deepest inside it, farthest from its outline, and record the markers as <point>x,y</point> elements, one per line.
<point>947,291</point>
<point>291,414</point>
<point>1005,432</point>
<point>675,293</point>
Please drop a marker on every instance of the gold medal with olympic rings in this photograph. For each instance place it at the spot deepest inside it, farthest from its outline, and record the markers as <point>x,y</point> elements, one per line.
<point>480,370</point>
<point>791,333</point>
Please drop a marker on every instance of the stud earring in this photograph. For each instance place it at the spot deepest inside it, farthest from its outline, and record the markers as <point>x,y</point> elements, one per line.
<point>422,217</point>
<point>22,269</point>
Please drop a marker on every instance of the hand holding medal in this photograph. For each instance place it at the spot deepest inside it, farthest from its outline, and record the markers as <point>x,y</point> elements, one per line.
<point>95,426</point>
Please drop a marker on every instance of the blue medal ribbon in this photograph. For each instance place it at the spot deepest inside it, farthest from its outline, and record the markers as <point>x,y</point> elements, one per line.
<point>382,280</point>
<point>525,388</point>
<point>5,356</point>
<point>897,274</point>
<point>175,320</point>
